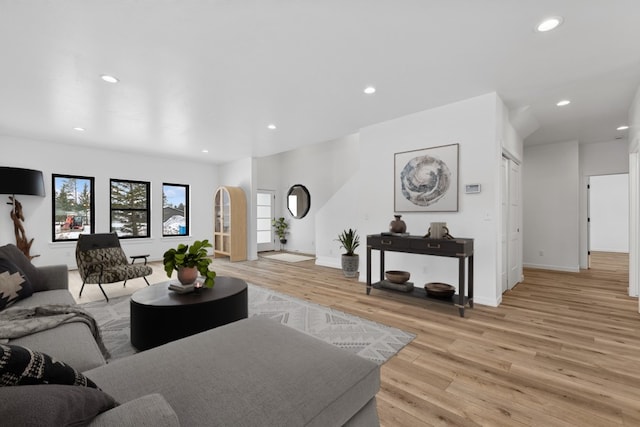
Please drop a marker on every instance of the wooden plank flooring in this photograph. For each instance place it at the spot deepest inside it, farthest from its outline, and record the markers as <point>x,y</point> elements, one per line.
<point>563,349</point>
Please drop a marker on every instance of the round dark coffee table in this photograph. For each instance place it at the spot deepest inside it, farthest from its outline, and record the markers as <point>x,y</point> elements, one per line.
<point>159,315</point>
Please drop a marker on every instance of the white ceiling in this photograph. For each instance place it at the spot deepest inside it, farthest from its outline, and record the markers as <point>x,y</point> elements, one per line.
<point>212,74</point>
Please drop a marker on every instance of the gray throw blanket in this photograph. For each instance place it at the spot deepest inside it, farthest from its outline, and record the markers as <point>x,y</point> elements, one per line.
<point>16,322</point>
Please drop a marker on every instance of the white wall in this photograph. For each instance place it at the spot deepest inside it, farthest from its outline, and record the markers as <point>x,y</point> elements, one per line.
<point>603,158</point>
<point>609,213</point>
<point>323,168</point>
<point>472,124</point>
<point>550,181</point>
<point>104,164</point>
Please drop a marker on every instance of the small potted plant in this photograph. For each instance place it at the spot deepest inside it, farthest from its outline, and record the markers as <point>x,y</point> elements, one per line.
<point>188,261</point>
<point>281,225</point>
<point>349,240</point>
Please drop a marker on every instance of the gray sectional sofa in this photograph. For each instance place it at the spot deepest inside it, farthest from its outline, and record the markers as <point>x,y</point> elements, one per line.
<point>254,372</point>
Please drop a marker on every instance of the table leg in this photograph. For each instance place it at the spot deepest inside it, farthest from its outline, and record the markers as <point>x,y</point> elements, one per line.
<point>381,265</point>
<point>471,281</point>
<point>461,286</point>
<point>368,270</point>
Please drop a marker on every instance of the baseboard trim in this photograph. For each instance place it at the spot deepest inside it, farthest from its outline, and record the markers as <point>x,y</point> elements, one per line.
<point>328,262</point>
<point>552,267</point>
<point>486,301</point>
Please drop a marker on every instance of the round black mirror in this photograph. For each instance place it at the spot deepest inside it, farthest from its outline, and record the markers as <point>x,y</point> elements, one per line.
<point>298,201</point>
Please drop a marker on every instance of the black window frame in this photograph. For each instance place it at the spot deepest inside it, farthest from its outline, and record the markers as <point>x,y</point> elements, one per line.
<point>185,213</point>
<point>70,220</point>
<point>146,210</point>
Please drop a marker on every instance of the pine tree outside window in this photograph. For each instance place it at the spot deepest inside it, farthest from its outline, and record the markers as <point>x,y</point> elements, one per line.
<point>73,207</point>
<point>130,208</point>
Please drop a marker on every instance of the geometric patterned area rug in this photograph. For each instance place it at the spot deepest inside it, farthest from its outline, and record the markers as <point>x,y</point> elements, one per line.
<point>371,340</point>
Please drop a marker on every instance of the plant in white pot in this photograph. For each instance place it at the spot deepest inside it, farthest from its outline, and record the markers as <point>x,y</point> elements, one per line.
<point>188,261</point>
<point>349,240</point>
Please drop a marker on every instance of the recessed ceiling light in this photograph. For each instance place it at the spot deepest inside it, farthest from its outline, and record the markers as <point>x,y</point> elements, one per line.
<point>79,129</point>
<point>549,24</point>
<point>625,127</point>
<point>369,90</point>
<point>271,127</point>
<point>109,79</point>
<point>205,151</point>
<point>563,103</point>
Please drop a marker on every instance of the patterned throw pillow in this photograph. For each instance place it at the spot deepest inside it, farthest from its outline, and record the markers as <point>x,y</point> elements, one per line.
<point>22,366</point>
<point>14,285</point>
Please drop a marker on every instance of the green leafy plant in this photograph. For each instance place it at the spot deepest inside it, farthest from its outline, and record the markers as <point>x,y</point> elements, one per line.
<point>349,240</point>
<point>190,256</point>
<point>280,225</point>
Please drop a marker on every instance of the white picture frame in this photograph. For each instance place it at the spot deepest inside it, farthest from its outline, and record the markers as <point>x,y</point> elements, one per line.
<point>426,180</point>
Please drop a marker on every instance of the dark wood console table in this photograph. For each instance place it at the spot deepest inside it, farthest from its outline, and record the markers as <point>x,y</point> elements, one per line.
<point>454,248</point>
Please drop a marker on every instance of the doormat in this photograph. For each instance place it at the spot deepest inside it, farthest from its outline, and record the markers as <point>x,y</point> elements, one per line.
<point>368,339</point>
<point>288,257</point>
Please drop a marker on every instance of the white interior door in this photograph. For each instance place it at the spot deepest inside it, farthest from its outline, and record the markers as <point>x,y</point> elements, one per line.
<point>515,237</point>
<point>505,224</point>
<point>265,212</point>
<point>608,208</point>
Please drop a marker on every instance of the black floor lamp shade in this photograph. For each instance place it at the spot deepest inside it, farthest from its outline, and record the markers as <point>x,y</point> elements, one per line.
<point>21,181</point>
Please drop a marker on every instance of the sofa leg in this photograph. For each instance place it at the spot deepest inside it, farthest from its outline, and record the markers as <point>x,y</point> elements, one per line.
<point>124,285</point>
<point>103,292</point>
<point>145,279</point>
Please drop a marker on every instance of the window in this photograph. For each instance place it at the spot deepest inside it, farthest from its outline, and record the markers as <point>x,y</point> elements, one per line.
<point>175,210</point>
<point>73,207</point>
<point>130,208</point>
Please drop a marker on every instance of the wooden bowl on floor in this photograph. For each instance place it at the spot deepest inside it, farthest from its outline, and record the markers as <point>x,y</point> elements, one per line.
<point>439,290</point>
<point>397,276</point>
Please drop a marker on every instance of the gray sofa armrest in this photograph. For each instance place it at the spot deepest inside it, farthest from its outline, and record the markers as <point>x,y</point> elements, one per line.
<point>55,276</point>
<point>149,410</point>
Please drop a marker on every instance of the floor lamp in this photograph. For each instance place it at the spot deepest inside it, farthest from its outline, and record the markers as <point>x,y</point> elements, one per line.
<point>27,182</point>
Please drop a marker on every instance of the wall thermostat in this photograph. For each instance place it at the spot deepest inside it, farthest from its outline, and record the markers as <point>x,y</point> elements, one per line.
<point>472,188</point>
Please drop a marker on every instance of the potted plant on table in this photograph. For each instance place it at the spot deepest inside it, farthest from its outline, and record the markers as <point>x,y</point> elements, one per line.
<point>281,225</point>
<point>188,261</point>
<point>349,240</point>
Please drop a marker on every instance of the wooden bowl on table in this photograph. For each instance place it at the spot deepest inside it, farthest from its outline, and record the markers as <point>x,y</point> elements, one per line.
<point>397,276</point>
<point>439,290</point>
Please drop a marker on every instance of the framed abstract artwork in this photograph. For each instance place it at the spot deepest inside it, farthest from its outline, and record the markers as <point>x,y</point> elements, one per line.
<point>427,180</point>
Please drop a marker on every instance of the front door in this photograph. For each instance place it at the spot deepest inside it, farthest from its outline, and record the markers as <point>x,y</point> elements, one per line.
<point>265,212</point>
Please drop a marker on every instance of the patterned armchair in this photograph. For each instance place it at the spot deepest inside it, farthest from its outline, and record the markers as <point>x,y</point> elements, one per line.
<point>101,260</point>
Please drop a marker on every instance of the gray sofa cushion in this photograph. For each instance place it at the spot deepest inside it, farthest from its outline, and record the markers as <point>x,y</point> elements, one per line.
<point>57,276</point>
<point>45,298</point>
<point>150,410</point>
<point>72,343</point>
<point>251,372</point>
<point>51,405</point>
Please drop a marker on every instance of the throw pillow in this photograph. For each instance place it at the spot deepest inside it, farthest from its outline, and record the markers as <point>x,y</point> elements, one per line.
<point>22,366</point>
<point>14,285</point>
<point>52,405</point>
<point>15,255</point>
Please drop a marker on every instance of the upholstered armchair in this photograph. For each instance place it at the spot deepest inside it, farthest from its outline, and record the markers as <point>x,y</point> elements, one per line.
<point>101,260</point>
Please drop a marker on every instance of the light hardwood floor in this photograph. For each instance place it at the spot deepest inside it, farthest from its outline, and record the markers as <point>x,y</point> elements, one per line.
<point>563,349</point>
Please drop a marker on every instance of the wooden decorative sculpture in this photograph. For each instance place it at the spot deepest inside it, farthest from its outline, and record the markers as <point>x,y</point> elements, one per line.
<point>21,237</point>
